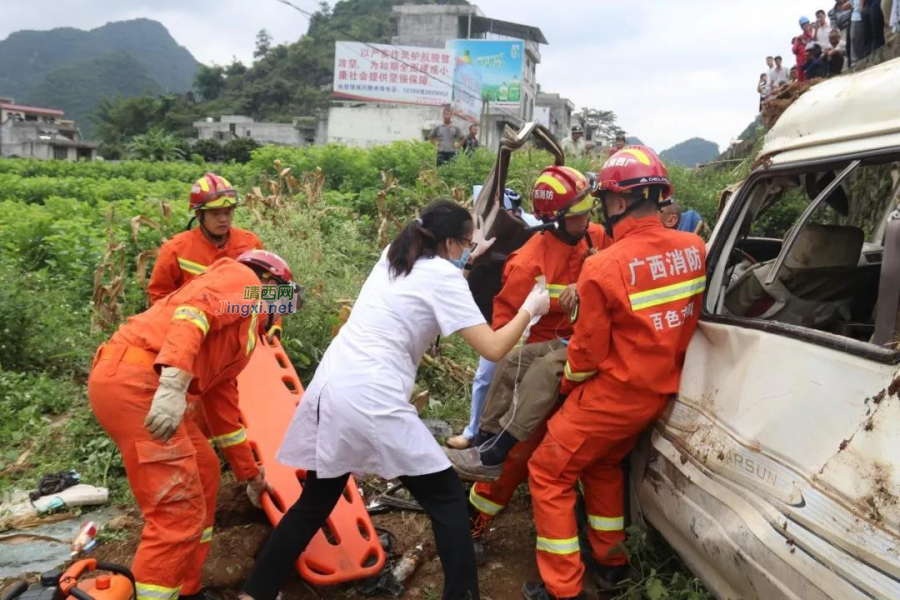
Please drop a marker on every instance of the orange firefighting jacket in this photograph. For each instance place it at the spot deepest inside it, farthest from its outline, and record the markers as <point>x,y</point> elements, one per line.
<point>190,253</point>
<point>560,263</point>
<point>191,330</point>
<point>638,305</point>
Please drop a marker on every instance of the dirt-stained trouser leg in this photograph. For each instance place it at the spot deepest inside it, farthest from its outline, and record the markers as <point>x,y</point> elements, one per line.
<point>164,477</point>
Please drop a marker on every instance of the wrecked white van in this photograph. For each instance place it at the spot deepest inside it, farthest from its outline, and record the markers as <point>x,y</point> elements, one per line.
<point>775,473</point>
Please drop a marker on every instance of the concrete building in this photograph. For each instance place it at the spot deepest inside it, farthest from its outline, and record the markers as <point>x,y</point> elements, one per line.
<point>300,132</point>
<point>432,27</point>
<point>555,113</point>
<point>370,125</point>
<point>43,133</point>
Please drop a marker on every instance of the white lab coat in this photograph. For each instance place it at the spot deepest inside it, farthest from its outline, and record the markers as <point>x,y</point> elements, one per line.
<point>356,416</point>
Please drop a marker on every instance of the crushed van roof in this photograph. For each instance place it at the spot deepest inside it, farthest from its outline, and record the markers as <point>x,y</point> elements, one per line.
<point>862,108</point>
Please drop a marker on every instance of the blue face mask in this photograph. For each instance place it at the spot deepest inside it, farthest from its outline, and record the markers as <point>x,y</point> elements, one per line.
<point>460,262</point>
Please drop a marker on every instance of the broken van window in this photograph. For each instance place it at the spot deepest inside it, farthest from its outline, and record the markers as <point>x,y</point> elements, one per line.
<point>828,279</point>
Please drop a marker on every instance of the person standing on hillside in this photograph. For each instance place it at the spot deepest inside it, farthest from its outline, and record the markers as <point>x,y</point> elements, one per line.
<point>821,30</point>
<point>799,46</point>
<point>770,63</point>
<point>873,26</point>
<point>139,389</point>
<point>446,137</point>
<point>778,77</point>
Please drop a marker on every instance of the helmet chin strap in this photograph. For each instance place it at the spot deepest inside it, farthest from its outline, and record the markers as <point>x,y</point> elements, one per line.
<point>610,221</point>
<point>218,240</point>
<point>564,236</point>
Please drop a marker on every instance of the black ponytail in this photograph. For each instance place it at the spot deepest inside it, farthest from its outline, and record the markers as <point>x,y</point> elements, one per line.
<point>440,220</point>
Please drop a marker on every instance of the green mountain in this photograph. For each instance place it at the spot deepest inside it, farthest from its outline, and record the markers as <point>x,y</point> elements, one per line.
<point>124,58</point>
<point>79,88</point>
<point>690,153</point>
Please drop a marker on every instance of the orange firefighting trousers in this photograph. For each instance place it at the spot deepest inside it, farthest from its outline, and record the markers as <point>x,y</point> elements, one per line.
<point>175,482</point>
<point>585,443</point>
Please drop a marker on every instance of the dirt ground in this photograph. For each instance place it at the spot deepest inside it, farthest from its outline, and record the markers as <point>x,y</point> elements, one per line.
<point>241,530</point>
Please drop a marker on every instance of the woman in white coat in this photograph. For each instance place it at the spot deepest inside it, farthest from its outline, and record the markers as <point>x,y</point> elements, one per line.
<point>356,416</point>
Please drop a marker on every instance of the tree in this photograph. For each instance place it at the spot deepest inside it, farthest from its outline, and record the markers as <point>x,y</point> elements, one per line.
<point>210,150</point>
<point>210,81</point>
<point>155,145</point>
<point>598,124</point>
<point>118,121</point>
<point>263,44</point>
<point>240,150</point>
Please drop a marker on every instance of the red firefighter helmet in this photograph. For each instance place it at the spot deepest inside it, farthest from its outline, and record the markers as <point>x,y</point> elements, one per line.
<point>631,168</point>
<point>212,191</point>
<point>561,191</point>
<point>269,262</point>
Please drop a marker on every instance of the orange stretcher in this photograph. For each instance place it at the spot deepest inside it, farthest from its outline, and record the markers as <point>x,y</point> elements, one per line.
<point>347,548</point>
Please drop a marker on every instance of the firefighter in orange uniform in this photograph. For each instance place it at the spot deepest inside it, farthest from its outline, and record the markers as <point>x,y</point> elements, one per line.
<point>561,195</point>
<point>638,304</point>
<point>138,388</point>
<point>188,254</point>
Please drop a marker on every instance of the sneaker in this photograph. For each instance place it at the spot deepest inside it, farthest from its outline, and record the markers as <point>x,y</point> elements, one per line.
<point>467,463</point>
<point>459,442</point>
<point>532,590</point>
<point>608,578</point>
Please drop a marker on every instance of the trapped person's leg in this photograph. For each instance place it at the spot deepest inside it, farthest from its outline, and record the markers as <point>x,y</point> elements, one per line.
<point>510,371</point>
<point>292,535</point>
<point>443,498</point>
<point>480,386</point>
<point>538,395</point>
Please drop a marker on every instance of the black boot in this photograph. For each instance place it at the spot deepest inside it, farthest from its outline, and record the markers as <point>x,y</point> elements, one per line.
<point>497,449</point>
<point>532,590</point>
<point>607,578</point>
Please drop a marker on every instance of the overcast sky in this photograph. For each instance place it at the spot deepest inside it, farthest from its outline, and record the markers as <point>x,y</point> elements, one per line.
<point>670,70</point>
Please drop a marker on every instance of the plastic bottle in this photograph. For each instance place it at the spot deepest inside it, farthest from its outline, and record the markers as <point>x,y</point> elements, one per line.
<point>407,564</point>
<point>85,539</point>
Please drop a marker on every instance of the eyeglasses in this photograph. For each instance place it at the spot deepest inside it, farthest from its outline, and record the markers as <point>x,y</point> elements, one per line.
<point>467,244</point>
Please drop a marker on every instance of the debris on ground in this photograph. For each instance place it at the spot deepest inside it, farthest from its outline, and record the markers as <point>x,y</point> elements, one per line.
<point>47,545</point>
<point>394,496</point>
<point>19,511</point>
<point>438,428</point>
<point>241,530</point>
<point>54,483</point>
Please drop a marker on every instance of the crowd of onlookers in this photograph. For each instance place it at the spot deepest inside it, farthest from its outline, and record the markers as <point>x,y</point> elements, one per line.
<point>849,32</point>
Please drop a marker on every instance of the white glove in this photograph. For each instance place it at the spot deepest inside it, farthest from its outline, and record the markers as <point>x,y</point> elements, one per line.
<point>256,487</point>
<point>169,403</point>
<point>482,244</point>
<point>538,302</point>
